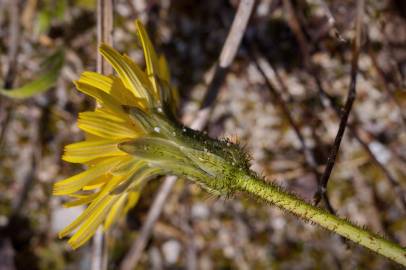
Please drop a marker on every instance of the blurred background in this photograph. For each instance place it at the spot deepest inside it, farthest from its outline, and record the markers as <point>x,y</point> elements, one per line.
<point>291,73</point>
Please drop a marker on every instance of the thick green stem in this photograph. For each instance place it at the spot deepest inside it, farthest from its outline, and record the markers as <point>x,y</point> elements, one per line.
<point>284,200</point>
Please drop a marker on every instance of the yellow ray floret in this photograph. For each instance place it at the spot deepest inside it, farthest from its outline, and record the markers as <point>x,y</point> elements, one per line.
<point>113,180</point>
<point>88,150</point>
<point>112,86</point>
<point>81,201</point>
<point>78,181</point>
<point>106,126</point>
<point>116,210</point>
<point>93,221</point>
<point>94,184</point>
<point>151,60</point>
<point>163,68</point>
<point>98,210</point>
<point>102,98</point>
<point>132,76</point>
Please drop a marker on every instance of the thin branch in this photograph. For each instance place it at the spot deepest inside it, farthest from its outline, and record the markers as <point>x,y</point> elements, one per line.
<point>296,28</point>
<point>355,132</point>
<point>191,254</point>
<point>294,24</point>
<point>227,56</point>
<point>134,254</point>
<point>280,101</point>
<point>385,83</point>
<point>348,104</point>
<point>331,23</point>
<point>229,50</point>
<point>394,183</point>
<point>105,10</point>
<point>236,33</point>
<point>392,59</point>
<point>13,46</point>
<point>308,154</point>
<point>14,31</point>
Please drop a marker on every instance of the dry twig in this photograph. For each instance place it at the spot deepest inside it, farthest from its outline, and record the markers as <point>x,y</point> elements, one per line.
<point>14,31</point>
<point>348,104</point>
<point>294,24</point>
<point>13,46</point>
<point>356,133</point>
<point>229,50</point>
<point>326,97</point>
<point>296,28</point>
<point>331,23</point>
<point>385,84</point>
<point>104,35</point>
<point>280,101</point>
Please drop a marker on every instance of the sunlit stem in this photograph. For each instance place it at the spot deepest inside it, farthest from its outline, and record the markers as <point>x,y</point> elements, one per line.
<point>289,202</point>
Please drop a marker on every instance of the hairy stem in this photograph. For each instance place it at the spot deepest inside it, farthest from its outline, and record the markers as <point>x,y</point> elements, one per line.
<point>275,195</point>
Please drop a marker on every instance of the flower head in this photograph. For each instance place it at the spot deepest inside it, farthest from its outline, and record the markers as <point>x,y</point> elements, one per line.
<point>132,136</point>
<point>113,181</point>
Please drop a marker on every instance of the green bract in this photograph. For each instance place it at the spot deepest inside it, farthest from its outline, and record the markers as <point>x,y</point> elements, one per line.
<point>179,150</point>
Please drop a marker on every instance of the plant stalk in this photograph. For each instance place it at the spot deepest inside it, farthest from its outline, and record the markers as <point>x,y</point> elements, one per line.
<point>275,195</point>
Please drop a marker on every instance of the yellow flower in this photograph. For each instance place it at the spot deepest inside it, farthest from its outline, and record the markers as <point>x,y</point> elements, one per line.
<point>112,183</point>
<point>133,136</point>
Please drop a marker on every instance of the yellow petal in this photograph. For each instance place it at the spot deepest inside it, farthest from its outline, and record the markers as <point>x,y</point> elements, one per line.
<point>92,222</point>
<point>115,211</point>
<point>80,219</point>
<point>88,150</point>
<point>98,182</point>
<point>84,200</point>
<point>130,75</point>
<point>96,203</point>
<point>156,68</point>
<point>128,167</point>
<point>151,59</point>
<point>80,194</point>
<point>76,182</point>
<point>112,86</point>
<point>101,97</point>
<point>175,94</point>
<point>165,76</point>
<point>138,176</point>
<point>93,186</point>
<point>106,125</point>
<point>163,68</point>
<point>133,197</point>
<point>97,80</point>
